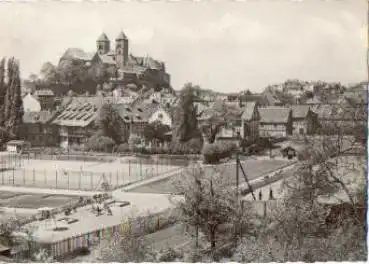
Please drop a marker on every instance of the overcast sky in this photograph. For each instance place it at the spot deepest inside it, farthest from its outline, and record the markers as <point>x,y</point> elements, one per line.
<point>222,46</point>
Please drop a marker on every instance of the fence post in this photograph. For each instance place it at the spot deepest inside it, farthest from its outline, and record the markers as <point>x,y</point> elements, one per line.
<point>79,180</point>
<point>117,179</point>
<point>56,179</point>
<point>129,169</point>
<point>13,176</point>
<point>34,177</point>
<point>2,176</point>
<point>110,176</point>
<point>24,177</point>
<point>157,167</point>
<point>92,181</point>
<point>140,169</point>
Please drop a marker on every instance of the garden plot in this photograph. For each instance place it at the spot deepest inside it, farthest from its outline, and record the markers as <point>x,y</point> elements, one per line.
<point>79,175</point>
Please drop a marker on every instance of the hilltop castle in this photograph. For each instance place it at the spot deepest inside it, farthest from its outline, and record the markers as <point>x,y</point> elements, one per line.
<point>141,71</point>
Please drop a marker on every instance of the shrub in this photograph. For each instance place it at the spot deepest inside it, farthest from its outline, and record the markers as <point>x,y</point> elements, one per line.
<point>123,147</point>
<point>100,144</point>
<point>134,141</point>
<point>214,152</point>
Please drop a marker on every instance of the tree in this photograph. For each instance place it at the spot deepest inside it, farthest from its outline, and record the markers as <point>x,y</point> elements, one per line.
<point>155,131</point>
<point>13,105</point>
<point>111,125</point>
<point>3,89</point>
<point>185,121</point>
<point>213,124</point>
<point>208,205</point>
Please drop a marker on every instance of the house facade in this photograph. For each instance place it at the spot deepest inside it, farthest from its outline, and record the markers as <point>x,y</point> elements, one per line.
<point>303,120</point>
<point>38,130</point>
<point>46,98</point>
<point>76,121</point>
<point>275,122</point>
<point>250,122</point>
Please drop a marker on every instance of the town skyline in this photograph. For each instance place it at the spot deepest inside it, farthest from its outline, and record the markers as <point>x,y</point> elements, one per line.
<point>209,50</point>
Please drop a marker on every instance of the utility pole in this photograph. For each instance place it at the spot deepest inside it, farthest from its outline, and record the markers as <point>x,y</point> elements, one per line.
<point>237,173</point>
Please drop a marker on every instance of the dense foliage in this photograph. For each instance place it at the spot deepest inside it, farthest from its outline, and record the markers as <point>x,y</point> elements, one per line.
<point>217,151</point>
<point>110,124</point>
<point>185,125</point>
<point>11,105</point>
<point>100,144</point>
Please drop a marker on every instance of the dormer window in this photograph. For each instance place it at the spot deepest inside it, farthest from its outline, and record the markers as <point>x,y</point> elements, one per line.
<point>160,116</point>
<point>139,110</point>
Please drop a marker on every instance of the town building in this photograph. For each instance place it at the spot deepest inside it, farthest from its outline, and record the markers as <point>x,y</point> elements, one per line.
<point>37,129</point>
<point>76,120</point>
<point>275,122</point>
<point>303,120</point>
<point>250,121</point>
<point>46,98</point>
<point>127,68</point>
<point>139,116</point>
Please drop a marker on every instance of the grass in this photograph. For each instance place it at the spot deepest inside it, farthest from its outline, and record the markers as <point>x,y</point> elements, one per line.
<point>253,169</point>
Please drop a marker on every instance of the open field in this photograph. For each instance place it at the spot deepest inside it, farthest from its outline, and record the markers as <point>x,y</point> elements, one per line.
<point>252,168</point>
<point>79,175</point>
<point>34,201</point>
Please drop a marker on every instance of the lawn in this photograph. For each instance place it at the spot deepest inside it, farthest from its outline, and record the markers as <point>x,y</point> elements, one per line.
<point>253,169</point>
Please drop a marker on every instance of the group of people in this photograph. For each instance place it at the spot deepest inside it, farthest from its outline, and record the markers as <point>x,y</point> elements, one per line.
<point>98,209</point>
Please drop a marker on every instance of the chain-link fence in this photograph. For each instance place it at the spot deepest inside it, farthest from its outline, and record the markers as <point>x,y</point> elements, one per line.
<point>87,180</point>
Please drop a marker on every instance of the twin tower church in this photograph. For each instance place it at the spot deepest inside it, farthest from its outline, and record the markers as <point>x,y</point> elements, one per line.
<point>130,68</point>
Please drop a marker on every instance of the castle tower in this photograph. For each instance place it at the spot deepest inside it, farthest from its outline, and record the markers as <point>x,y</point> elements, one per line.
<point>103,44</point>
<point>121,50</point>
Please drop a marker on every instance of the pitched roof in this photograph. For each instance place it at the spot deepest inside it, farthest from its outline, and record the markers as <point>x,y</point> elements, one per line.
<point>137,114</point>
<point>248,110</point>
<point>103,37</point>
<point>271,98</point>
<point>80,111</point>
<point>274,115</point>
<point>121,36</point>
<point>324,111</point>
<point>300,111</point>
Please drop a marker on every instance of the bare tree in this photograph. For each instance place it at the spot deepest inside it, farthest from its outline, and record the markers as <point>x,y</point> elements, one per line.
<point>209,206</point>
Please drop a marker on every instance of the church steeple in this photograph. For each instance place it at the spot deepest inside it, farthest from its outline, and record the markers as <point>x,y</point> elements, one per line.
<point>121,50</point>
<point>103,44</point>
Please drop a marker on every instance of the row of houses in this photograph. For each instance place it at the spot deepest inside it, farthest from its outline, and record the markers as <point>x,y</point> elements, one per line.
<point>73,121</point>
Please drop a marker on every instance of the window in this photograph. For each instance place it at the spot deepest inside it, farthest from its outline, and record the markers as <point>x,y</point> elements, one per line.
<point>160,116</point>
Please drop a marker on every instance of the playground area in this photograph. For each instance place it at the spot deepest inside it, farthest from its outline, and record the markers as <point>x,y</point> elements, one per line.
<point>80,175</point>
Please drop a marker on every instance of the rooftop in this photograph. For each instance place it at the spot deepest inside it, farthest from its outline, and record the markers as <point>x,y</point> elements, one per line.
<point>274,115</point>
<point>300,111</point>
<point>79,111</point>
